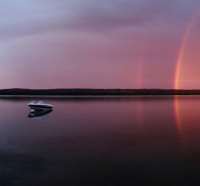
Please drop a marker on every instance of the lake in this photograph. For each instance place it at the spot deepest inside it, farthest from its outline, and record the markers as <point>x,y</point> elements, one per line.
<point>141,140</point>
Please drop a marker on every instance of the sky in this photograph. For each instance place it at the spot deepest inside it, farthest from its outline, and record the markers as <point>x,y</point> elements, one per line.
<point>99,44</point>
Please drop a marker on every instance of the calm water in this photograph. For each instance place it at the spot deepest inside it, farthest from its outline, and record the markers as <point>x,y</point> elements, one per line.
<point>102,141</point>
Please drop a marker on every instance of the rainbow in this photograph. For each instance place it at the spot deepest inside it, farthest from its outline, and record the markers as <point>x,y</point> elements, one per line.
<point>179,63</point>
<point>182,50</point>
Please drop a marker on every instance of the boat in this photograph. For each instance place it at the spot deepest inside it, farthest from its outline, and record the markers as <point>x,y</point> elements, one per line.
<point>39,106</point>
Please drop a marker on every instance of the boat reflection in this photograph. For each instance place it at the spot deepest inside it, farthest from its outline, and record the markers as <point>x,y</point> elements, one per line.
<point>39,114</point>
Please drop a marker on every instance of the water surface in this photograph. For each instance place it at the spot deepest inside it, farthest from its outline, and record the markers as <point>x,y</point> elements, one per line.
<point>101,141</point>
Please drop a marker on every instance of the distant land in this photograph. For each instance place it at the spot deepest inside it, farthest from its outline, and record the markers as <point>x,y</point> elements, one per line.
<point>94,92</point>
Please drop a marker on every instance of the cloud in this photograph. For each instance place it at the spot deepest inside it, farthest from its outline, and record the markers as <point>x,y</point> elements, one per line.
<point>28,17</point>
<point>116,14</point>
<point>80,39</point>
<point>24,17</point>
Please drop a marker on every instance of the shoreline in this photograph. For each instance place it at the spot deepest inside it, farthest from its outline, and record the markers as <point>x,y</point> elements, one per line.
<point>97,98</point>
<point>67,93</point>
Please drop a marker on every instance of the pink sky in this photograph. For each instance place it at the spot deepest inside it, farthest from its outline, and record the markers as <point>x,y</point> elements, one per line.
<point>98,44</point>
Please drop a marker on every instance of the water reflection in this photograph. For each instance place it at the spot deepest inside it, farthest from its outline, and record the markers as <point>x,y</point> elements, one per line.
<point>102,141</point>
<point>39,114</point>
<point>187,110</point>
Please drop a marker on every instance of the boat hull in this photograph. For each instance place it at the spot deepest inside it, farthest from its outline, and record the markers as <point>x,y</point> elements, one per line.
<point>39,107</point>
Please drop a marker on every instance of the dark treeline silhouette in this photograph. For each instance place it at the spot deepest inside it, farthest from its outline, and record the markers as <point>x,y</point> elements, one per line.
<point>96,92</point>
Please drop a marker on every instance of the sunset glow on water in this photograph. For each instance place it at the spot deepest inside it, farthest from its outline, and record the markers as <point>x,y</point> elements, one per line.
<point>99,141</point>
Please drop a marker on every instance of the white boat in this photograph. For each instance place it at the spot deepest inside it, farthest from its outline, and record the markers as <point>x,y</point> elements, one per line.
<point>39,105</point>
